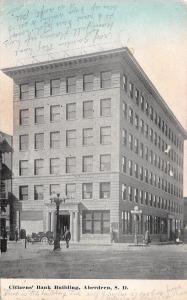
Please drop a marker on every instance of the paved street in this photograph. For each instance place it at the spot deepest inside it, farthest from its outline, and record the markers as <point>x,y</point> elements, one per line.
<point>95,261</point>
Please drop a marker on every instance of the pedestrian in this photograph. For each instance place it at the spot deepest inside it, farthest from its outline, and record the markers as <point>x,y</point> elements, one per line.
<point>67,237</point>
<point>112,235</point>
<point>147,237</point>
<point>16,235</point>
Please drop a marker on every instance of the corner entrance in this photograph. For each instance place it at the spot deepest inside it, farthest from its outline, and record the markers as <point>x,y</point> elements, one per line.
<point>64,223</point>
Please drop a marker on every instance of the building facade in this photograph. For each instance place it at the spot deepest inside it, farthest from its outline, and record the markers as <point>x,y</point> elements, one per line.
<point>94,129</point>
<point>6,215</point>
<point>185,214</point>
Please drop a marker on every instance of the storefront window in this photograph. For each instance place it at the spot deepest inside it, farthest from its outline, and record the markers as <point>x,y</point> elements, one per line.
<point>96,222</point>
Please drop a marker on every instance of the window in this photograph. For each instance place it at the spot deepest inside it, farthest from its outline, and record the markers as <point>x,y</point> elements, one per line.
<point>123,191</point>
<point>54,165</point>
<point>105,107</point>
<point>130,193</point>
<point>141,173</point>
<point>146,153</point>
<point>88,82</point>
<point>151,178</point>
<point>159,142</point>
<point>88,109</point>
<point>38,166</point>
<point>38,192</point>
<point>105,135</point>
<point>24,91</point>
<point>151,156</point>
<point>24,117</point>
<point>154,201</point>
<point>124,137</point>
<point>130,167</point>
<point>39,141</point>
<point>130,141</point>
<point>55,140</point>
<point>151,134</point>
<point>141,197</point>
<point>70,111</point>
<point>146,175</point>
<point>136,170</point>
<point>71,138</point>
<point>96,222</point>
<point>127,222</point>
<point>55,86</point>
<point>70,85</point>
<point>147,108</point>
<point>136,195</point>
<point>136,121</point>
<point>151,113</point>
<point>39,89</point>
<point>24,142</point>
<point>124,107</point>
<point>23,167</point>
<point>87,163</point>
<point>39,115</point>
<point>105,79</point>
<point>104,190</point>
<point>155,117</point>
<point>23,192</point>
<point>71,190</point>
<point>131,89</point>
<point>105,162</point>
<point>155,159</point>
<point>130,115</point>
<point>54,189</point>
<point>87,136</point>
<point>141,150</point>
<point>124,164</point>
<point>136,145</point>
<point>87,191</point>
<point>70,164</point>
<point>124,82</point>
<point>137,94</point>
<point>146,194</point>
<point>150,199</point>
<point>155,138</point>
<point>55,113</point>
<point>146,130</point>
<point>142,103</point>
<point>142,126</point>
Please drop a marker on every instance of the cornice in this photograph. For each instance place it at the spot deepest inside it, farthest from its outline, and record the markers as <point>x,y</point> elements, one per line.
<point>75,61</point>
<point>68,62</point>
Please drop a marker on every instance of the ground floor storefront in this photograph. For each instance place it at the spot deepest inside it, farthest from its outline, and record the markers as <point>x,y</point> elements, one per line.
<point>100,225</point>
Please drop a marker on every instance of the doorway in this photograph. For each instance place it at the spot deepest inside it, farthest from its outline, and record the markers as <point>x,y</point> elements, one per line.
<point>64,221</point>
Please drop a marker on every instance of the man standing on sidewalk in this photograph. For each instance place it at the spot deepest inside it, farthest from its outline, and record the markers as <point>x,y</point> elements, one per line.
<point>16,235</point>
<point>67,236</point>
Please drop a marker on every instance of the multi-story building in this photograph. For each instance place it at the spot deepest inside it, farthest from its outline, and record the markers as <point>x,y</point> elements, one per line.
<point>94,128</point>
<point>185,213</point>
<point>6,200</point>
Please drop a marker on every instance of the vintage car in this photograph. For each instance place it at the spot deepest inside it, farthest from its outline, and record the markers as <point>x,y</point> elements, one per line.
<point>41,237</point>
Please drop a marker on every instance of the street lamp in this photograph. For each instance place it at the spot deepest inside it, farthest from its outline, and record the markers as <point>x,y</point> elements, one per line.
<point>136,212</point>
<point>55,198</point>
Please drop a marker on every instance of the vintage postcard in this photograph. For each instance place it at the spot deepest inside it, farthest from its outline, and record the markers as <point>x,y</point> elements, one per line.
<point>93,168</point>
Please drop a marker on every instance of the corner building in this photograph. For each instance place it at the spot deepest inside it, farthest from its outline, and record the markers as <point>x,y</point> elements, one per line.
<point>94,128</point>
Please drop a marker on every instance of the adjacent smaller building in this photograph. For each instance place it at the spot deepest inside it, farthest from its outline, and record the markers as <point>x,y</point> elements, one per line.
<point>185,214</point>
<point>6,199</point>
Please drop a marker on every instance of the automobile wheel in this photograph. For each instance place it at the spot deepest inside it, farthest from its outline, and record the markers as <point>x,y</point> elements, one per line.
<point>44,240</point>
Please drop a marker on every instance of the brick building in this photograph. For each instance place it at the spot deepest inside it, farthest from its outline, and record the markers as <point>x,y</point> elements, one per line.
<point>6,214</point>
<point>94,128</point>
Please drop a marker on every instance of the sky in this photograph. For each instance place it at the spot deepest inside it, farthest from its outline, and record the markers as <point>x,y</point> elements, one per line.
<point>154,30</point>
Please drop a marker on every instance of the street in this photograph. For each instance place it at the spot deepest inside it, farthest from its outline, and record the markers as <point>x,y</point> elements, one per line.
<point>116,261</point>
